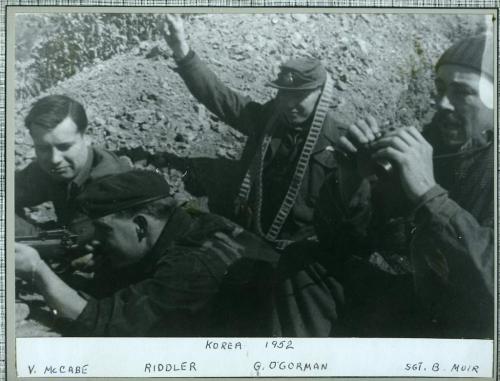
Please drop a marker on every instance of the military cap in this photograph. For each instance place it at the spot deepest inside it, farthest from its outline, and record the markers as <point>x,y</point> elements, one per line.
<point>300,74</point>
<point>122,191</point>
<point>475,52</point>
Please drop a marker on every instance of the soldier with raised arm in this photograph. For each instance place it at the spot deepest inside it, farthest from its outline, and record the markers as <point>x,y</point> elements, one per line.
<point>286,157</point>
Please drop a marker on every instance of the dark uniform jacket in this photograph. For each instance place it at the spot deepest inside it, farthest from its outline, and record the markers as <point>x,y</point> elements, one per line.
<point>222,182</point>
<point>34,186</point>
<point>432,272</point>
<point>206,276</point>
<point>453,245</point>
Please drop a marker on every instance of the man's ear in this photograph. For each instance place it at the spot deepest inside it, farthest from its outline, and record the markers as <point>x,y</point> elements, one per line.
<point>141,226</point>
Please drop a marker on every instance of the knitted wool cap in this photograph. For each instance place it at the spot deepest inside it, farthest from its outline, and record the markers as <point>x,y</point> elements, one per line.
<point>474,52</point>
<point>122,191</point>
<point>300,74</point>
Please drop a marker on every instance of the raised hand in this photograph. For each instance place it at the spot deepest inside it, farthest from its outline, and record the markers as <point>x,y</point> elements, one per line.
<point>173,32</point>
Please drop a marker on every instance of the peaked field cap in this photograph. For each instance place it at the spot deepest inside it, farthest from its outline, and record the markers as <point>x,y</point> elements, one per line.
<point>475,52</point>
<point>300,74</point>
<point>115,193</point>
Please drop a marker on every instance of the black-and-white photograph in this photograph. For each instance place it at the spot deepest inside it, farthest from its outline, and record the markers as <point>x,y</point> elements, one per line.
<point>298,175</point>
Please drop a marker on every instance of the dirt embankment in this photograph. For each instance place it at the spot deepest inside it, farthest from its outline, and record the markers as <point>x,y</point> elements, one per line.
<point>137,103</point>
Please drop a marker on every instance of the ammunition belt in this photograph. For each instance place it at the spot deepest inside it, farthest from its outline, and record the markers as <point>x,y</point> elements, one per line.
<point>298,176</point>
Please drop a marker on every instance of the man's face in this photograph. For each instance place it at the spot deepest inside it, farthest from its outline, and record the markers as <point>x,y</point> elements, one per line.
<point>464,104</point>
<point>297,105</point>
<point>61,151</point>
<point>119,239</point>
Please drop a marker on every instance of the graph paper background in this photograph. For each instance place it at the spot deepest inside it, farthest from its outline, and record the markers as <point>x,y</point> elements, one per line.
<point>170,3</point>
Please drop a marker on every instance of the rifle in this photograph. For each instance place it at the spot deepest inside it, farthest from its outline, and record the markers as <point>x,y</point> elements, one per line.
<point>51,243</point>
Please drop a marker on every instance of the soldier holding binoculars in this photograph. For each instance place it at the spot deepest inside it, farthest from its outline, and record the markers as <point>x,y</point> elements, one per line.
<point>415,241</point>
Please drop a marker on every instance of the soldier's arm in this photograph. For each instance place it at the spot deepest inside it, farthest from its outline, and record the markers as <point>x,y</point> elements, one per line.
<point>58,295</point>
<point>453,260</point>
<point>464,243</point>
<point>180,287</point>
<point>202,82</point>
<point>343,210</point>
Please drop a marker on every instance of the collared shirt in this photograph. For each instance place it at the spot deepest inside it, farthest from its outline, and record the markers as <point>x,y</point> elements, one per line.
<point>34,186</point>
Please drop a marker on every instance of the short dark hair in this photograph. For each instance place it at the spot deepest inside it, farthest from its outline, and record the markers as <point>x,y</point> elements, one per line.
<point>51,110</point>
<point>160,209</point>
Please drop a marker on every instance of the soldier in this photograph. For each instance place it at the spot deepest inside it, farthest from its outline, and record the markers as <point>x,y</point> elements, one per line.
<point>286,157</point>
<point>171,271</point>
<point>64,163</point>
<point>166,267</point>
<point>427,217</point>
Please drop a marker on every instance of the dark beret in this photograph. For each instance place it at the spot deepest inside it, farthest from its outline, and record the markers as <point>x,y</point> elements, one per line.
<point>122,191</point>
<point>475,52</point>
<point>300,74</point>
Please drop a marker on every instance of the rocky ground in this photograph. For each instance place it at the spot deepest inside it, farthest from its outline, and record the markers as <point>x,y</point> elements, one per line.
<point>136,102</point>
<point>138,106</point>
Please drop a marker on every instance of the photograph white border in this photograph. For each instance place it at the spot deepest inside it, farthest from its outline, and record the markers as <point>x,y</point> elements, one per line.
<point>9,114</point>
